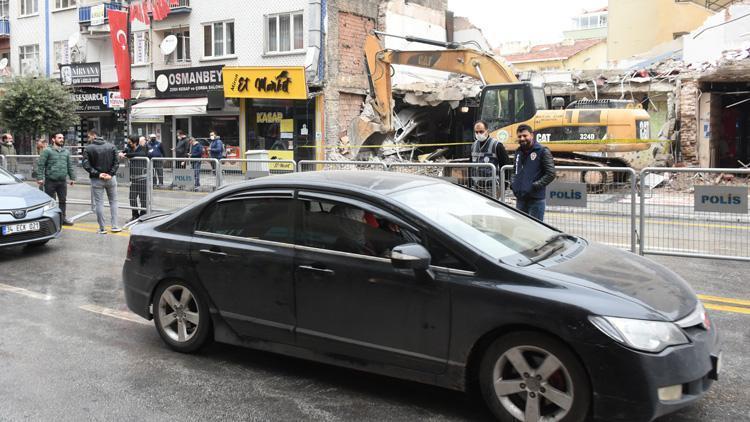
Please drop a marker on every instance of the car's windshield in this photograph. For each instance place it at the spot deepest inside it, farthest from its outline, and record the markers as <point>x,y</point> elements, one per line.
<point>477,220</point>
<point>6,178</point>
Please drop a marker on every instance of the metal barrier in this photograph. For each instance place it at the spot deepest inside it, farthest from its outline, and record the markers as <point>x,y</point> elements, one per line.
<point>2,161</point>
<point>594,203</point>
<point>177,182</point>
<point>319,165</point>
<point>480,177</point>
<point>695,212</point>
<point>235,170</point>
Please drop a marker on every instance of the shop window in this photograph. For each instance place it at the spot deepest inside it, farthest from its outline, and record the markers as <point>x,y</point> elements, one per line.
<point>28,55</point>
<point>64,4</point>
<point>284,33</point>
<point>140,52</point>
<point>29,7</point>
<point>62,53</point>
<point>181,54</point>
<point>218,39</point>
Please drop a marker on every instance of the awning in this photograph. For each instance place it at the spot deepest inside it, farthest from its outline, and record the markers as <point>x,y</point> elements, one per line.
<point>103,85</point>
<point>170,107</point>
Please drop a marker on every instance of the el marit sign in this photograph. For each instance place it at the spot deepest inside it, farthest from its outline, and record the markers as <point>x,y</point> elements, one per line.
<point>567,194</point>
<point>265,82</point>
<point>722,199</point>
<point>188,82</point>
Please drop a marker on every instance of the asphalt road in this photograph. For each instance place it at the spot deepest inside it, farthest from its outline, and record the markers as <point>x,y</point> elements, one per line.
<point>69,350</point>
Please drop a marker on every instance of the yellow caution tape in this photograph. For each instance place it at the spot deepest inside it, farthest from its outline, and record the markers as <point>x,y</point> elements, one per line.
<point>565,142</point>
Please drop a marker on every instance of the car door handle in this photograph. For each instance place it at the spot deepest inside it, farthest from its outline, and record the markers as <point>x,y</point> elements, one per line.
<point>214,253</point>
<point>325,271</point>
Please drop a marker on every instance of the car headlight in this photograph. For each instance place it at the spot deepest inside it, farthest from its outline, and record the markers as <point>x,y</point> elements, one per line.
<point>648,336</point>
<point>51,205</point>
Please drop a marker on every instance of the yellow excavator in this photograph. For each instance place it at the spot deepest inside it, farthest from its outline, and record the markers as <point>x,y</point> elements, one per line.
<point>600,133</point>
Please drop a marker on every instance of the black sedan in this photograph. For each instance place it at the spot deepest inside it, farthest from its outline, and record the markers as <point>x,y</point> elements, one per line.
<point>28,216</point>
<point>416,278</point>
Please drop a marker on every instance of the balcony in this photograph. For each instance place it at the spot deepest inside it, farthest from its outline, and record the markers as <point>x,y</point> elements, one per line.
<point>4,28</point>
<point>84,12</point>
<point>182,7</point>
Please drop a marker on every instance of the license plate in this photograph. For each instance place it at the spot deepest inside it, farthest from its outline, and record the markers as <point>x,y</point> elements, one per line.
<point>20,228</point>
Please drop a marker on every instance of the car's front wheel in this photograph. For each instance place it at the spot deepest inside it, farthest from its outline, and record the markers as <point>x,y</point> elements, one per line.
<point>181,316</point>
<point>529,376</point>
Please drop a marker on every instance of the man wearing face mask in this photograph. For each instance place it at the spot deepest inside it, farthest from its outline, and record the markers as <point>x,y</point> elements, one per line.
<point>534,170</point>
<point>486,150</point>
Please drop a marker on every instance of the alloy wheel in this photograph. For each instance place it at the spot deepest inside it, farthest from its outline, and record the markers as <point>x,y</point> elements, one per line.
<point>178,313</point>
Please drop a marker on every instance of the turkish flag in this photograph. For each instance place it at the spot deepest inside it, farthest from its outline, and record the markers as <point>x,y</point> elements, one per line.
<point>118,31</point>
<point>161,9</point>
<point>138,12</point>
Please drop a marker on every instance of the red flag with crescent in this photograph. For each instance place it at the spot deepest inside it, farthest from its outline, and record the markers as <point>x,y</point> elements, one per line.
<point>118,30</point>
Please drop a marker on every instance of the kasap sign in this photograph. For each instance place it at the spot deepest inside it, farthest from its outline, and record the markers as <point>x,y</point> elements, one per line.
<point>723,199</point>
<point>567,194</point>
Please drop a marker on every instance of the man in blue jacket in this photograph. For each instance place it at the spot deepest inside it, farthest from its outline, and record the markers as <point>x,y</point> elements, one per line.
<point>534,170</point>
<point>155,150</point>
<point>215,149</point>
<point>196,151</point>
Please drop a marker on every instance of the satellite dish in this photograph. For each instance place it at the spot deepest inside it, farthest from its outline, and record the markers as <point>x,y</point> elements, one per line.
<point>74,39</point>
<point>168,45</point>
<point>3,63</point>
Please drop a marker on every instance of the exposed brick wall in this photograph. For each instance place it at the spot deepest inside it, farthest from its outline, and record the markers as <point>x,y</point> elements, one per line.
<point>352,32</point>
<point>688,115</point>
<point>349,107</point>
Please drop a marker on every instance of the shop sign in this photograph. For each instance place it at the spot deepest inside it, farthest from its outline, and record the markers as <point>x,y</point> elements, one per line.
<point>147,119</point>
<point>90,101</point>
<point>97,15</point>
<point>115,100</point>
<point>188,82</point>
<point>723,199</point>
<point>567,194</point>
<point>80,74</point>
<point>265,82</point>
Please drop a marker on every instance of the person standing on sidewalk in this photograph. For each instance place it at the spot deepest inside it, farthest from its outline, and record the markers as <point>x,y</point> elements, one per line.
<point>215,149</point>
<point>6,149</point>
<point>136,148</point>
<point>100,161</point>
<point>182,148</point>
<point>196,151</point>
<point>155,150</point>
<point>54,167</point>
<point>534,170</point>
<point>486,150</point>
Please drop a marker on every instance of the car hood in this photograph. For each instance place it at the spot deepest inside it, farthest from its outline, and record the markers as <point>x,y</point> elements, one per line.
<point>629,276</point>
<point>21,195</point>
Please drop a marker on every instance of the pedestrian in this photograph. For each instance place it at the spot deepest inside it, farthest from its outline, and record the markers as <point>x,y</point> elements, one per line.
<point>137,155</point>
<point>41,145</point>
<point>181,150</point>
<point>101,162</point>
<point>534,170</point>
<point>53,169</point>
<point>8,150</point>
<point>486,150</point>
<point>215,149</point>
<point>196,151</point>
<point>155,150</point>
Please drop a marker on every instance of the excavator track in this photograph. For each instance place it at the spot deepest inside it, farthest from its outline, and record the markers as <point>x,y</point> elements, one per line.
<point>596,181</point>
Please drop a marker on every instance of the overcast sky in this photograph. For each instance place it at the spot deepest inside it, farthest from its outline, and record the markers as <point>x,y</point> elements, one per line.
<point>535,20</point>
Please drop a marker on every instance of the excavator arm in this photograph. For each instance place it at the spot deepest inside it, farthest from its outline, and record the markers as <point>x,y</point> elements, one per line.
<point>476,64</point>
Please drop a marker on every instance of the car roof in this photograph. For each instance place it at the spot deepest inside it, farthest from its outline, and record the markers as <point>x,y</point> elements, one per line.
<point>379,182</point>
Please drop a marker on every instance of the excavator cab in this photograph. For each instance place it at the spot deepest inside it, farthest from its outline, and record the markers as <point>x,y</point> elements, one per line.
<point>503,105</point>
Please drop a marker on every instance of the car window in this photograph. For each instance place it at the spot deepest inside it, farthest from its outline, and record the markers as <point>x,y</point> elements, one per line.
<point>443,257</point>
<point>253,218</point>
<point>6,178</point>
<point>346,228</point>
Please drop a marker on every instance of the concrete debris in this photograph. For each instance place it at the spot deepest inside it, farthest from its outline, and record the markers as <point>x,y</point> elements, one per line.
<point>431,94</point>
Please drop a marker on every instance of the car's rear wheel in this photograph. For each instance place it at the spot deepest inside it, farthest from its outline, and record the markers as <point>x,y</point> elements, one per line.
<point>181,316</point>
<point>529,376</point>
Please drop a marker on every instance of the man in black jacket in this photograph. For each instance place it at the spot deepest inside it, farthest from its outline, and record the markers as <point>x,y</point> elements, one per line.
<point>100,161</point>
<point>137,155</point>
<point>486,150</point>
<point>534,170</point>
<point>182,148</point>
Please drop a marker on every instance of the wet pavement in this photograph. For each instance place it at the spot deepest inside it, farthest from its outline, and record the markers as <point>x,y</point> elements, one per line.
<point>69,350</point>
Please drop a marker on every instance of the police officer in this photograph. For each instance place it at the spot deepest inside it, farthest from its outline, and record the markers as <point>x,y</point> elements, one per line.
<point>534,170</point>
<point>486,150</point>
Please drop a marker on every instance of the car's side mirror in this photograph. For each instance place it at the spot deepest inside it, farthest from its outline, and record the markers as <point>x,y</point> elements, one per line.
<point>410,256</point>
<point>20,177</point>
